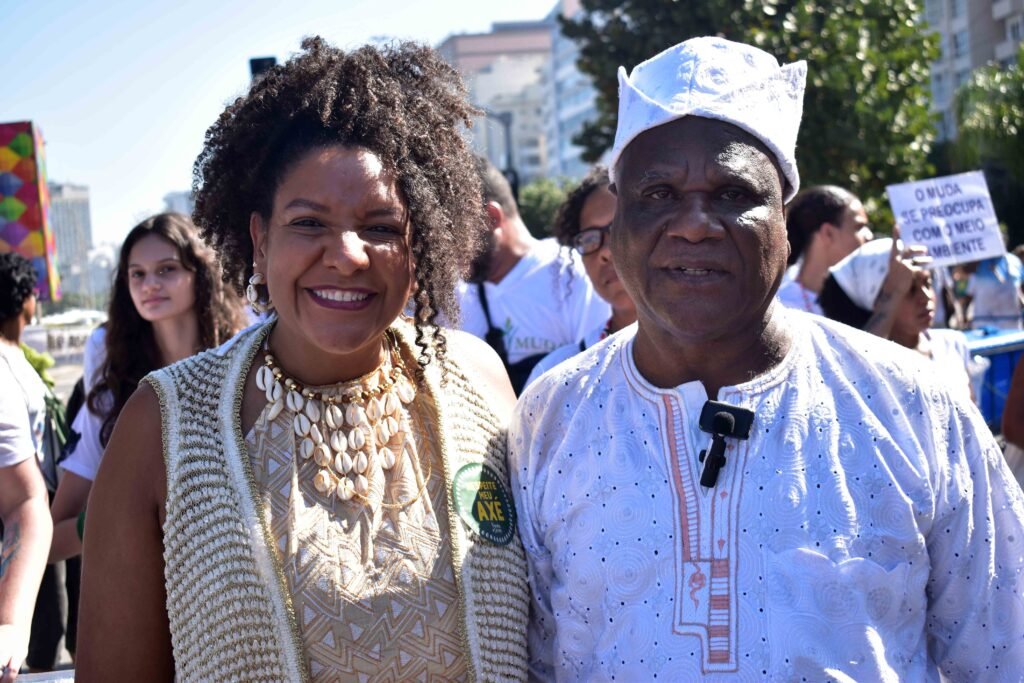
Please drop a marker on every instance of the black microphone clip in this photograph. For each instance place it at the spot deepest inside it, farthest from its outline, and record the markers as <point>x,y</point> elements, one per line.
<point>721,420</point>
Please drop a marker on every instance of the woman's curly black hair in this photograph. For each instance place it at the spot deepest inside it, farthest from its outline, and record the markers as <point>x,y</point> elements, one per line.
<point>403,103</point>
<point>567,219</point>
<point>17,282</point>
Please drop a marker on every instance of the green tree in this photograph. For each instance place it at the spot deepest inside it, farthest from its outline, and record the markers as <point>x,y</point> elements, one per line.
<point>538,203</point>
<point>990,124</point>
<point>866,122</point>
<point>70,300</point>
<point>990,117</point>
<point>611,33</point>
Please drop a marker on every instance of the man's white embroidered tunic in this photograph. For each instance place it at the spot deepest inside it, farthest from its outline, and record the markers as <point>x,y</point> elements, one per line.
<point>868,530</point>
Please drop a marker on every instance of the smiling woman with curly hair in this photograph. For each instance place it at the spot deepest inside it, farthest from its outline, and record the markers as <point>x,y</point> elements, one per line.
<point>325,497</point>
<point>404,105</point>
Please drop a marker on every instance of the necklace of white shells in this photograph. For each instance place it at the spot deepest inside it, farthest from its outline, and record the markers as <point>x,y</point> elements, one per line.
<point>342,433</point>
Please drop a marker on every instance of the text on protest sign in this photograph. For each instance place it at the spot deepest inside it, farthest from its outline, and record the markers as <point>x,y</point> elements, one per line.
<point>952,216</point>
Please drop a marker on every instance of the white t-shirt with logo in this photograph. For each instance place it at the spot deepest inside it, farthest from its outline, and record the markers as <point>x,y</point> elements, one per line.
<point>22,407</point>
<point>545,302</point>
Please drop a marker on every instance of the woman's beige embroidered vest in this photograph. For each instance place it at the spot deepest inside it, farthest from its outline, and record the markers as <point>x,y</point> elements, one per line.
<point>230,612</point>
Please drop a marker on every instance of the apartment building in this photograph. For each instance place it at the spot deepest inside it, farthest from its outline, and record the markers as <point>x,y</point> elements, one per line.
<point>972,34</point>
<point>72,231</point>
<point>504,70</point>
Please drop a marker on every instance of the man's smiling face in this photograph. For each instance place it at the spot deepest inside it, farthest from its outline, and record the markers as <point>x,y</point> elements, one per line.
<point>699,234</point>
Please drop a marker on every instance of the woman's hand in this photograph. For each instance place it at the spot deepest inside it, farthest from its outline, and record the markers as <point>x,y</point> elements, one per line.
<point>13,648</point>
<point>905,263</point>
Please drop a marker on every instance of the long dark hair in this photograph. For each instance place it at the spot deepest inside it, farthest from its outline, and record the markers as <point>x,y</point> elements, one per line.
<point>811,209</point>
<point>132,351</point>
<point>837,305</point>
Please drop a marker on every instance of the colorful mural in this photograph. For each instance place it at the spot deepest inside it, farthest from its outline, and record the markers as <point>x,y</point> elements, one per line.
<point>25,202</point>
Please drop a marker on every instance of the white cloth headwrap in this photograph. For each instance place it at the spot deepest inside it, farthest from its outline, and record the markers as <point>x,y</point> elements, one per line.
<point>716,79</point>
<point>862,273</point>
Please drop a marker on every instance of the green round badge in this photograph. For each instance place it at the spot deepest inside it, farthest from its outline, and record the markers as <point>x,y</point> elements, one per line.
<point>483,503</point>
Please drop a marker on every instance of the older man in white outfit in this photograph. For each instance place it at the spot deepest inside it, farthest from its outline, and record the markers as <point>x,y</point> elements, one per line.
<point>834,513</point>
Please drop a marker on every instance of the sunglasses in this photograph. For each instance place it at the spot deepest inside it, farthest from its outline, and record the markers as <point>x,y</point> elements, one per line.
<point>590,240</point>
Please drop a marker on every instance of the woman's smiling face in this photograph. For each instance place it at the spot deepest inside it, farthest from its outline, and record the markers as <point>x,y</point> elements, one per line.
<point>336,254</point>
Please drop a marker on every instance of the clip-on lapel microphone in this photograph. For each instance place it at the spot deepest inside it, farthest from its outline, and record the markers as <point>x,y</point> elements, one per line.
<point>721,420</point>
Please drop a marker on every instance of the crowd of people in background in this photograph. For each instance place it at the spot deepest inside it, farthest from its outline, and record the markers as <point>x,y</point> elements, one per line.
<point>710,365</point>
<point>524,296</point>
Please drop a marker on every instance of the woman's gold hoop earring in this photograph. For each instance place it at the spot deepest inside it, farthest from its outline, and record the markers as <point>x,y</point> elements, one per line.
<point>253,295</point>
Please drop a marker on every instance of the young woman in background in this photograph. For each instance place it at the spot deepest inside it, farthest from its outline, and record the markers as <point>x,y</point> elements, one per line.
<point>582,224</point>
<point>168,302</point>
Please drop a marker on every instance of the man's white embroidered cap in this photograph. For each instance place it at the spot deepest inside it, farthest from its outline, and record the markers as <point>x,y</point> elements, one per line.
<point>862,273</point>
<point>716,79</point>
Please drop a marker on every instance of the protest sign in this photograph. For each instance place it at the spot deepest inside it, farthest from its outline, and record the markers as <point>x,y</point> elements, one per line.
<point>952,216</point>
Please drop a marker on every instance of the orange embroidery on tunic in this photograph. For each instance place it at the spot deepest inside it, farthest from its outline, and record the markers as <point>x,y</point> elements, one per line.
<point>706,572</point>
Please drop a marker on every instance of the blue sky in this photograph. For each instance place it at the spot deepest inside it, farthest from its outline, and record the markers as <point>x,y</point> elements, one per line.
<point>124,91</point>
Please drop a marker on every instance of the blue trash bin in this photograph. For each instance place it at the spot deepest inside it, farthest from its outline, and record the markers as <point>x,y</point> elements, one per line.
<point>1003,349</point>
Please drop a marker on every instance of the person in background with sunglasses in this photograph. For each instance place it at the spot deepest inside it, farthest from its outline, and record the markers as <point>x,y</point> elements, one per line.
<point>582,224</point>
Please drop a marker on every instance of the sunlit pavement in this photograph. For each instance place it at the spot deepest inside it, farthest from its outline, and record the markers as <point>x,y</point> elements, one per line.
<point>65,375</point>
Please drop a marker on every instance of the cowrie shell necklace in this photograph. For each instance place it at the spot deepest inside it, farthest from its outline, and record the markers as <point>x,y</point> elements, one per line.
<point>343,432</point>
